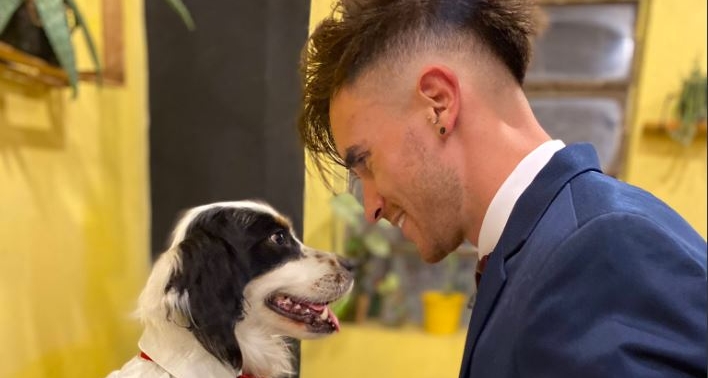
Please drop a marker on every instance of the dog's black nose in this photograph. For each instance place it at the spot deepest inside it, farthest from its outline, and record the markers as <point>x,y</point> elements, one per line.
<point>347,264</point>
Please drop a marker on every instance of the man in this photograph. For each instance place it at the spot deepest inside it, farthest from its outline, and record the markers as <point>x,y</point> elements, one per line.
<point>585,276</point>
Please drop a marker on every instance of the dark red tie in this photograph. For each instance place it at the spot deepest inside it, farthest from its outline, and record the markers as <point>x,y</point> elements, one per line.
<point>480,268</point>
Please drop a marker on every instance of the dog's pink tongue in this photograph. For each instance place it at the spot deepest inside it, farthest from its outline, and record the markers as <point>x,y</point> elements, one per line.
<point>317,307</point>
<point>326,311</point>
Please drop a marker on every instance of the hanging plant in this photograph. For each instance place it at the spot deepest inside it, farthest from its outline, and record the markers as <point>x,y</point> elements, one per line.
<point>689,111</point>
<point>43,28</point>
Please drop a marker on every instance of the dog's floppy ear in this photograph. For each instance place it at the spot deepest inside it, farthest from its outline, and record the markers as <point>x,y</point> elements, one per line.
<point>205,292</point>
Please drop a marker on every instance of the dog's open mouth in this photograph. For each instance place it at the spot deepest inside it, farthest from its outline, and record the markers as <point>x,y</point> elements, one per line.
<point>316,316</point>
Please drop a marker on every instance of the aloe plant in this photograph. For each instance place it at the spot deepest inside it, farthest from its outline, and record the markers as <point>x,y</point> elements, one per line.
<point>54,20</point>
<point>7,9</point>
<point>183,12</point>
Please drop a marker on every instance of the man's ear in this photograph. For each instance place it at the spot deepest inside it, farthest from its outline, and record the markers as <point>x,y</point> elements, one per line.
<point>440,89</point>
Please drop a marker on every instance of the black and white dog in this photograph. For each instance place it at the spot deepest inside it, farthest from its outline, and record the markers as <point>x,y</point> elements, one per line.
<point>234,284</point>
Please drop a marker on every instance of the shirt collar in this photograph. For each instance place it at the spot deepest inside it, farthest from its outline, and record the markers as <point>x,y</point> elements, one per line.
<point>509,192</point>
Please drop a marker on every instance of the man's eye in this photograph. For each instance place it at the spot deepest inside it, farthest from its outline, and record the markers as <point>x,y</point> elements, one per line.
<point>361,166</point>
<point>278,238</point>
<point>362,161</point>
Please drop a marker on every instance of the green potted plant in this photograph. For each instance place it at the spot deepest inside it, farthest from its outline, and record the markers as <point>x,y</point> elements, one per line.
<point>689,112</point>
<point>368,244</point>
<point>43,28</point>
<point>393,310</point>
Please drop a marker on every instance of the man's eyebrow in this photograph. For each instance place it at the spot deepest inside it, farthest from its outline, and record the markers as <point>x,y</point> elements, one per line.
<point>350,156</point>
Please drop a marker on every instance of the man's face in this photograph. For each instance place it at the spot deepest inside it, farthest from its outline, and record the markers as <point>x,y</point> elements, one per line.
<point>389,143</point>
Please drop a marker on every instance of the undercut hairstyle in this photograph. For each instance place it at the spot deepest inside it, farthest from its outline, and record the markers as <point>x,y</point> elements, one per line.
<point>362,34</point>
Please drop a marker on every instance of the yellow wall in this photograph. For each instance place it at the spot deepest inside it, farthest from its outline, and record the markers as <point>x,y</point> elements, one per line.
<point>320,229</point>
<point>372,351</point>
<point>675,40</point>
<point>675,37</point>
<point>74,218</point>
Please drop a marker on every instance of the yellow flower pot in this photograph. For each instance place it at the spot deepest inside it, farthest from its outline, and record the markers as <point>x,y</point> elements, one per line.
<point>442,311</point>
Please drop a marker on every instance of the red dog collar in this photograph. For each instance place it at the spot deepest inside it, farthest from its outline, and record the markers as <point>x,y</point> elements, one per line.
<point>145,356</point>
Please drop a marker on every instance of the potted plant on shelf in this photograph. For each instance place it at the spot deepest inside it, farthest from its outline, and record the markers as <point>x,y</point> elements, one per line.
<point>689,112</point>
<point>43,28</point>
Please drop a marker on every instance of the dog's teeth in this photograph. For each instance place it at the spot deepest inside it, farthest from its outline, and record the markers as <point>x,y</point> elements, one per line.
<point>324,315</point>
<point>296,307</point>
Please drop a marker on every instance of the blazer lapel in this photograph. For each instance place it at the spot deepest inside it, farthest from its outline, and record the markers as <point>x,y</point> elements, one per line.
<point>528,210</point>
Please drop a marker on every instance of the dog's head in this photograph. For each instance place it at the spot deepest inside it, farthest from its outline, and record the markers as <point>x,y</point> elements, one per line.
<point>235,271</point>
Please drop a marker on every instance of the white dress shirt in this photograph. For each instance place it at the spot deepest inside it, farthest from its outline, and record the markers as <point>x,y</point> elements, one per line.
<point>509,192</point>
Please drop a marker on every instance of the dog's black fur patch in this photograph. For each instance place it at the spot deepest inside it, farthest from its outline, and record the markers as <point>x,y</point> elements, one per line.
<point>223,249</point>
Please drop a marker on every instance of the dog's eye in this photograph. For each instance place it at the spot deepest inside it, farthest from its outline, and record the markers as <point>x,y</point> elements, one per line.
<point>278,238</point>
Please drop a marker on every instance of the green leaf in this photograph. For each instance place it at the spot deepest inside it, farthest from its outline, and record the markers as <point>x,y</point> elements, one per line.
<point>346,207</point>
<point>7,9</point>
<point>377,244</point>
<point>87,35</point>
<point>52,13</point>
<point>691,106</point>
<point>183,12</point>
<point>389,284</point>
<point>343,305</point>
<point>354,247</point>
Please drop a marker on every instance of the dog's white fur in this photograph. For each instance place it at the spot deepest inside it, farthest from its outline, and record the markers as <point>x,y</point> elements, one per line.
<point>317,276</point>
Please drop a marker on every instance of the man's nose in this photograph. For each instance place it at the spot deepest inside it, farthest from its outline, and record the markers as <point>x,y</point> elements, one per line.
<point>373,202</point>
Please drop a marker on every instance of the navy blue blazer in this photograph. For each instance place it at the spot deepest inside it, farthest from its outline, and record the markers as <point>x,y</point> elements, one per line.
<point>591,278</point>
